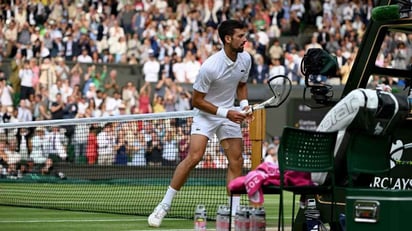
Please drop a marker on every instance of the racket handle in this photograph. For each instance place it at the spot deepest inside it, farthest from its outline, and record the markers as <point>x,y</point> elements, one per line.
<point>250,110</point>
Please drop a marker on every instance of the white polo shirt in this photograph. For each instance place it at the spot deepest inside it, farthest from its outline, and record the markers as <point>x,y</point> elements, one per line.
<point>151,70</point>
<point>219,76</point>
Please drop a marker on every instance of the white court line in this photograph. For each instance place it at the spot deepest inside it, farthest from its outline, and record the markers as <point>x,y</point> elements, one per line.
<point>61,221</point>
<point>107,220</point>
<point>78,220</point>
<point>162,229</point>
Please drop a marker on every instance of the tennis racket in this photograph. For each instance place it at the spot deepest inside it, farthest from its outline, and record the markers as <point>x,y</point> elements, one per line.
<point>280,86</point>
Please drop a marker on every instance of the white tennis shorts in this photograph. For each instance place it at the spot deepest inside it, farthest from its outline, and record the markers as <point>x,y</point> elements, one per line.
<point>208,125</point>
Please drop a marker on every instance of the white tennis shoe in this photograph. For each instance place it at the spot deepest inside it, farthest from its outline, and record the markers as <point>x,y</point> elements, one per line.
<point>155,219</point>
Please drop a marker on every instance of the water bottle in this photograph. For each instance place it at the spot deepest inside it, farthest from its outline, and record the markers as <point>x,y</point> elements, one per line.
<point>222,218</point>
<point>200,218</point>
<point>242,221</point>
<point>312,215</point>
<point>258,219</point>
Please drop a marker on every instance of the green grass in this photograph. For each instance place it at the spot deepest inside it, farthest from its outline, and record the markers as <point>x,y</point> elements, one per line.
<point>44,206</point>
<point>38,219</point>
<point>34,219</point>
<point>120,199</point>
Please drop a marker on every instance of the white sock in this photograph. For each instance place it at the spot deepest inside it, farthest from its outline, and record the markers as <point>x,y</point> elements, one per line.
<point>170,194</point>
<point>235,204</point>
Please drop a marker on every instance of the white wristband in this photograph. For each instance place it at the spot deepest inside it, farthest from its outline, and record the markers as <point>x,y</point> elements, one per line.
<point>243,103</point>
<point>222,112</point>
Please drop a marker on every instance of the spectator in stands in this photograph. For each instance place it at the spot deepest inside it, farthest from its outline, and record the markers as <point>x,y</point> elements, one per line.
<point>208,161</point>
<point>92,146</point>
<point>82,104</point>
<point>47,74</point>
<point>332,46</point>
<point>400,56</point>
<point>16,65</point>
<point>10,34</point>
<point>170,148</point>
<point>183,144</point>
<point>139,149</point>
<point>106,141</point>
<point>66,90</point>
<point>313,44</point>
<point>129,95</point>
<point>36,74</point>
<point>39,144</point>
<point>192,67</point>
<point>151,68</point>
<point>57,108</point>
<point>3,155</point>
<point>169,102</point>
<point>158,104</point>
<point>81,132</point>
<point>294,23</point>
<point>221,161</point>
<point>118,48</point>
<point>40,109</point>
<point>261,38</point>
<point>292,69</point>
<point>70,108</point>
<point>154,149</point>
<point>23,139</point>
<point>92,108</point>
<point>179,72</point>
<point>133,45</point>
<point>121,149</point>
<point>144,99</point>
<point>166,68</point>
<point>183,100</point>
<point>276,68</point>
<point>57,144</point>
<point>62,69</point>
<point>113,104</point>
<point>84,57</point>
<point>70,47</point>
<point>75,75</point>
<point>13,157</point>
<point>10,116</point>
<point>6,95</point>
<point>55,88</point>
<point>24,112</point>
<point>275,50</point>
<point>115,31</point>
<point>271,155</point>
<point>91,93</point>
<point>111,85</point>
<point>101,110</point>
<point>261,70</point>
<point>275,143</point>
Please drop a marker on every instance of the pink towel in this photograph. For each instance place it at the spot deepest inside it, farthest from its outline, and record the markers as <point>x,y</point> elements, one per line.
<point>253,183</point>
<point>267,173</point>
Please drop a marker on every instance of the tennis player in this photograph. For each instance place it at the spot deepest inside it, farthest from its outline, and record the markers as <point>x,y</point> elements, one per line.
<point>221,78</point>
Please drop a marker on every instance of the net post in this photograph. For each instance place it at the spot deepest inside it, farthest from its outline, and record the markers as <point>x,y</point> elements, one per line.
<point>257,136</point>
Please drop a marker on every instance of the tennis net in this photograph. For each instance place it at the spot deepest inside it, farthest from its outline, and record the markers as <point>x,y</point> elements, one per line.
<point>119,164</point>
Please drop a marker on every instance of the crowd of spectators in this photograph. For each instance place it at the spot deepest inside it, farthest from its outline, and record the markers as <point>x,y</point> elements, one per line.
<point>48,42</point>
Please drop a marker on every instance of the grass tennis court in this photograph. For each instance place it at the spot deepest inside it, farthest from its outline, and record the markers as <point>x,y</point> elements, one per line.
<point>33,219</point>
